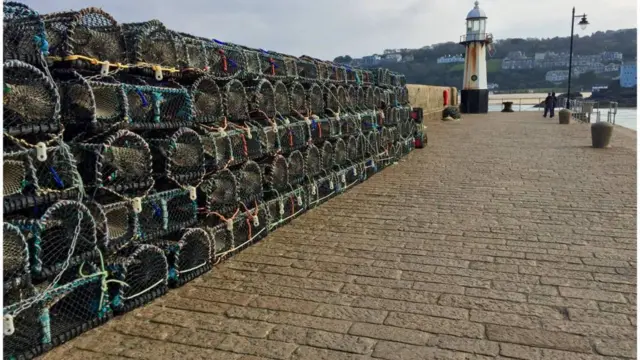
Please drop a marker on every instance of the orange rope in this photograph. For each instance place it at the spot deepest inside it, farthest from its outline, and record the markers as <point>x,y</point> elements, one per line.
<point>293,206</point>
<point>250,227</point>
<point>223,218</point>
<point>273,66</point>
<point>225,67</point>
<point>244,145</point>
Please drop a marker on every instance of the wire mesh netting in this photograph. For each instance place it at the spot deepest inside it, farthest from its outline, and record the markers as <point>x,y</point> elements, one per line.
<point>89,33</point>
<point>312,162</point>
<point>152,105</point>
<point>25,37</point>
<point>188,255</point>
<point>15,261</point>
<point>38,174</point>
<point>295,161</point>
<point>140,274</point>
<point>340,153</point>
<point>276,173</point>
<point>321,189</point>
<point>235,100</point>
<point>262,101</point>
<point>30,98</point>
<point>177,156</point>
<point>226,62</point>
<point>64,234</point>
<point>220,190</point>
<point>327,155</point>
<point>120,224</point>
<point>152,43</point>
<point>165,212</point>
<point>249,178</point>
<point>348,177</point>
<point>206,97</point>
<point>119,163</point>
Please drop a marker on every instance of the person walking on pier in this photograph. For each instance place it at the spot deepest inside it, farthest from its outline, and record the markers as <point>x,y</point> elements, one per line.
<point>554,103</point>
<point>548,103</point>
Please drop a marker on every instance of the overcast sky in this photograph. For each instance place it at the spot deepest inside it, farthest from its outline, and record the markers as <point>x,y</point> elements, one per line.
<point>328,28</point>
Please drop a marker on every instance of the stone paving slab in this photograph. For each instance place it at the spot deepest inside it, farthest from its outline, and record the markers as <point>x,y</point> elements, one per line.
<point>507,238</point>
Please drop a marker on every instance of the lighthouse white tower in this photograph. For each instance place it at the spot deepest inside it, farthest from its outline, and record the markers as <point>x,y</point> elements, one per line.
<point>474,94</point>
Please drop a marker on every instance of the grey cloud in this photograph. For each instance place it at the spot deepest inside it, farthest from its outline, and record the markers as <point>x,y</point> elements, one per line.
<point>328,28</point>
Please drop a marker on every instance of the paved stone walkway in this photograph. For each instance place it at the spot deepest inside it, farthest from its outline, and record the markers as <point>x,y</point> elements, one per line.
<point>509,237</point>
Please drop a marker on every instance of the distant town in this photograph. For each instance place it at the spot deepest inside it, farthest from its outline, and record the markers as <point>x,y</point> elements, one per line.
<point>556,63</point>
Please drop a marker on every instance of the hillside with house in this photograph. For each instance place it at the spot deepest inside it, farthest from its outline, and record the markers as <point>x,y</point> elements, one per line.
<point>598,59</point>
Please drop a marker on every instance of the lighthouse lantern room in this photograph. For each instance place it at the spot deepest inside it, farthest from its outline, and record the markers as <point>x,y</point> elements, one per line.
<point>474,94</point>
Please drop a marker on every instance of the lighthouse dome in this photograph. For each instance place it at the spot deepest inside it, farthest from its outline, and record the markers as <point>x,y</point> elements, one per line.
<point>476,12</point>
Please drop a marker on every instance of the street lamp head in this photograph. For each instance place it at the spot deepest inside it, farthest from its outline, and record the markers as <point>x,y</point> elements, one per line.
<point>583,23</point>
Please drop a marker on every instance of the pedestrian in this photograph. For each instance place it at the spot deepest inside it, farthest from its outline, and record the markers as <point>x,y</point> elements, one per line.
<point>554,103</point>
<point>547,104</point>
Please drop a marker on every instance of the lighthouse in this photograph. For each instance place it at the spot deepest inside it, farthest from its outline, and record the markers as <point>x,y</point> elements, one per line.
<point>474,94</point>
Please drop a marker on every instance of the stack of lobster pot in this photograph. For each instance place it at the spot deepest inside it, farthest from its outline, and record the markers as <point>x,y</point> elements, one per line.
<point>136,157</point>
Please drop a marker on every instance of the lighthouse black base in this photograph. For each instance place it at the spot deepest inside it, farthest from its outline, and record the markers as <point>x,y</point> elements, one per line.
<point>474,101</point>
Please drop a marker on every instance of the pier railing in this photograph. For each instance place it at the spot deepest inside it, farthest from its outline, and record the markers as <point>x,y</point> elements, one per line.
<point>518,103</point>
<point>592,111</point>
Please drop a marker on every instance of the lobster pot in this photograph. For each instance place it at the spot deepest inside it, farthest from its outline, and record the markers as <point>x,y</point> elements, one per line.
<point>383,77</point>
<point>352,149</point>
<point>272,65</point>
<point>370,121</point>
<point>295,160</point>
<point>276,173</point>
<point>343,97</point>
<point>389,97</point>
<point>362,145</point>
<point>408,145</point>
<point>270,136</point>
<point>247,142</point>
<point>235,100</point>
<point>151,106</point>
<point>322,68</point>
<point>144,269</point>
<point>312,162</point>
<point>85,102</point>
<point>332,103</point>
<point>396,151</point>
<point>220,190</point>
<point>221,236</point>
<point>15,270</point>
<point>368,77</point>
<point>286,207</point>
<point>89,32</point>
<point>196,50</point>
<point>51,237</point>
<point>119,163</point>
<point>385,148</point>
<point>352,75</point>
<point>393,134</point>
<point>30,98</point>
<point>25,38</point>
<point>338,74</point>
<point>165,212</point>
<point>327,154</point>
<point>391,116</point>
<point>294,136</point>
<point>378,97</point>
<point>306,70</point>
<point>298,99</point>
<point>225,62</point>
<point>352,96</point>
<point>350,124</point>
<point>403,96</point>
<point>406,128</point>
<point>206,97</point>
<point>320,129</point>
<point>217,149</point>
<point>250,226</point>
<point>178,157</point>
<point>188,257</point>
<point>262,100</point>
<point>152,44</point>
<point>373,139</point>
<point>360,99</point>
<point>249,178</point>
<point>385,139</point>
<point>315,99</point>
<point>30,337</point>
<point>282,99</point>
<point>118,222</point>
<point>321,189</point>
<point>57,314</point>
<point>38,175</point>
<point>76,306</point>
<point>347,177</point>
<point>369,98</point>
<point>340,158</point>
<point>369,167</point>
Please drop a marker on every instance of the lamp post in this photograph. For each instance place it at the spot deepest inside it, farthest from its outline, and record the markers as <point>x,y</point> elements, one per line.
<point>583,25</point>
